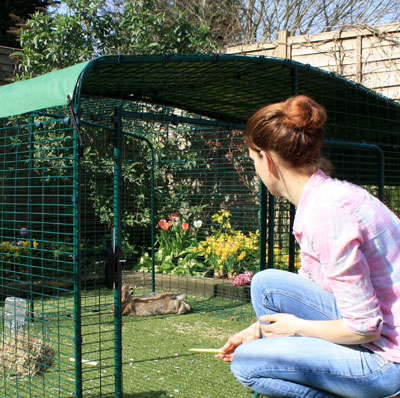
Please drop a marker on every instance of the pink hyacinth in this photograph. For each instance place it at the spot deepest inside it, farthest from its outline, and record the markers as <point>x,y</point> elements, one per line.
<point>242,279</point>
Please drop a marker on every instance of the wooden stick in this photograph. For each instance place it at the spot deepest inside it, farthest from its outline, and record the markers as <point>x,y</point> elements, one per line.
<point>206,350</point>
<point>85,361</point>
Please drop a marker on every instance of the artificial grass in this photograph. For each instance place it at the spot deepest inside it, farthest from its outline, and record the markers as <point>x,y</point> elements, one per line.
<point>156,360</point>
<point>157,363</point>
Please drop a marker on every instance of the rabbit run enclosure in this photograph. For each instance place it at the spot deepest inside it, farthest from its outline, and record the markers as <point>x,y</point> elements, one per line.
<point>132,170</point>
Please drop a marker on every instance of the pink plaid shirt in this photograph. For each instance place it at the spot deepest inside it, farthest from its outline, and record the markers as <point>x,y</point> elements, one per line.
<point>350,245</point>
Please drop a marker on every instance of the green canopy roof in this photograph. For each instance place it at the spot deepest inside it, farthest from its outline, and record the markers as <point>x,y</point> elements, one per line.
<point>225,87</point>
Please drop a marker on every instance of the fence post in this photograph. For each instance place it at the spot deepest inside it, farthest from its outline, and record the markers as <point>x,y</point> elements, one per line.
<point>282,40</point>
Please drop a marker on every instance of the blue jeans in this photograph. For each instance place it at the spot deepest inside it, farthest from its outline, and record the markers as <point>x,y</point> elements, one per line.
<point>305,367</point>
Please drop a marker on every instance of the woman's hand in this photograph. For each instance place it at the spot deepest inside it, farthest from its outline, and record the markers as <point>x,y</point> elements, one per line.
<point>251,333</point>
<point>280,325</point>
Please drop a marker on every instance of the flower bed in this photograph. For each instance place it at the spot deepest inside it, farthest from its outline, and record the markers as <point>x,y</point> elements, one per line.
<point>185,246</point>
<point>221,251</point>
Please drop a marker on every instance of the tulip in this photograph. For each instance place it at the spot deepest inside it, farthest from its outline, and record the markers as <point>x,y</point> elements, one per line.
<point>185,226</point>
<point>164,224</point>
<point>198,223</point>
<point>174,216</point>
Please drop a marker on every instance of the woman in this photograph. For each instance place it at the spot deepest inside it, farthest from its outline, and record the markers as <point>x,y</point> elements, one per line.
<point>333,330</point>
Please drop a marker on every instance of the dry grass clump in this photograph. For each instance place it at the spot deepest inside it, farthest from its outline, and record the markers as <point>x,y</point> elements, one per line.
<point>24,355</point>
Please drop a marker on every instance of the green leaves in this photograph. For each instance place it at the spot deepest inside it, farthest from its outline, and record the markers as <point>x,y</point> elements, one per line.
<point>89,29</point>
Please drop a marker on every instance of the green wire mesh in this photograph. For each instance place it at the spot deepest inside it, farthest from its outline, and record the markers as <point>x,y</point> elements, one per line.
<point>36,251</point>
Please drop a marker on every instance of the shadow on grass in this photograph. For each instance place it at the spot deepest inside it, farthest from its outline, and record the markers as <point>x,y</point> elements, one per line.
<point>143,394</point>
<point>160,359</point>
<point>147,394</point>
<point>217,303</point>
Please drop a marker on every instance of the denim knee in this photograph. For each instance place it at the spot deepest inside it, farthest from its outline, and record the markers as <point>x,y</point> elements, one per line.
<point>239,368</point>
<point>267,277</point>
<point>263,282</point>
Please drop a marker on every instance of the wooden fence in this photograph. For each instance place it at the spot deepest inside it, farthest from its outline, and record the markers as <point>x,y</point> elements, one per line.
<point>7,65</point>
<point>367,55</point>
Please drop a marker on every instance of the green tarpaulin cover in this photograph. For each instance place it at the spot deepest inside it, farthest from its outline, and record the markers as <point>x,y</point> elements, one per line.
<point>46,91</point>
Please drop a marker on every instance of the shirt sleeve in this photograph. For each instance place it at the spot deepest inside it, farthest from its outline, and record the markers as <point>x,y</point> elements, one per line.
<point>337,240</point>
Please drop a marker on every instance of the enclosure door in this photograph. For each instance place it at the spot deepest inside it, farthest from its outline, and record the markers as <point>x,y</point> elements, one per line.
<point>100,267</point>
<point>115,224</point>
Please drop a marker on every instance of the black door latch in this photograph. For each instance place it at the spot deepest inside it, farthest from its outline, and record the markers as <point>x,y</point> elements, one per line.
<point>112,267</point>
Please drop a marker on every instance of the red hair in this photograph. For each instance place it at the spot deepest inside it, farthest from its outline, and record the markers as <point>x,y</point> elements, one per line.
<point>293,129</point>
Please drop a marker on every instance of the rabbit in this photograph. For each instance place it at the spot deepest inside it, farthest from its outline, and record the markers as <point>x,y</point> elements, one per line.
<point>153,303</point>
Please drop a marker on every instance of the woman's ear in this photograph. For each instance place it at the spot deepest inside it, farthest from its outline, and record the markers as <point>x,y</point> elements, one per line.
<point>267,160</point>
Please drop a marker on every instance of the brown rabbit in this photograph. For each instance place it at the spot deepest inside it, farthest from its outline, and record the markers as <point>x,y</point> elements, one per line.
<point>152,304</point>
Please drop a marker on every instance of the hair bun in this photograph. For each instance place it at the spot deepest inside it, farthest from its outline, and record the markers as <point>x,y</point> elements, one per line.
<point>301,112</point>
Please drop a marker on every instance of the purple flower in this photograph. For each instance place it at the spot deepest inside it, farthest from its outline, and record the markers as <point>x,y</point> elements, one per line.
<point>23,231</point>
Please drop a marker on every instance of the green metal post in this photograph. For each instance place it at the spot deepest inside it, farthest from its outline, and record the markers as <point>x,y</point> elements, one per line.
<point>292,214</point>
<point>116,242</point>
<point>77,273</point>
<point>292,210</point>
<point>29,226</point>
<point>152,200</point>
<point>271,229</point>
<point>263,225</point>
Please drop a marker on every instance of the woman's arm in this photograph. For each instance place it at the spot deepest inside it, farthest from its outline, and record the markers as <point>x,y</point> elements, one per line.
<point>334,331</point>
<point>346,270</point>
